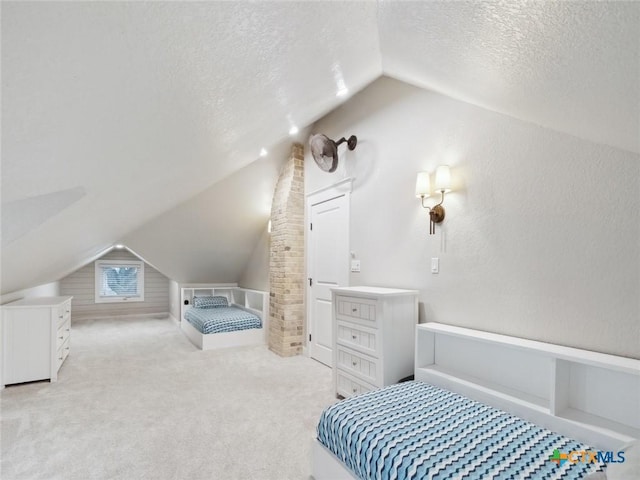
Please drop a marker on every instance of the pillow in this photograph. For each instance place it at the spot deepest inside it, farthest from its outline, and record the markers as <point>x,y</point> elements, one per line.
<point>630,468</point>
<point>210,302</point>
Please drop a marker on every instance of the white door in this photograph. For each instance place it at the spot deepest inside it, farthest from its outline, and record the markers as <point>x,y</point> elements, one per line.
<point>328,267</point>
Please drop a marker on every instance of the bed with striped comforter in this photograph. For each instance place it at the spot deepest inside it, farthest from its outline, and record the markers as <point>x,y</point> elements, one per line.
<point>416,431</point>
<point>221,319</point>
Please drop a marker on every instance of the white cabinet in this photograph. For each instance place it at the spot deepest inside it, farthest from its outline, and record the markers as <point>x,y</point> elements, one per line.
<point>373,337</point>
<point>36,338</point>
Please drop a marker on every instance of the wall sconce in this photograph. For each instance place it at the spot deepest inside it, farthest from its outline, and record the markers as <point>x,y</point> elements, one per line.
<point>423,190</point>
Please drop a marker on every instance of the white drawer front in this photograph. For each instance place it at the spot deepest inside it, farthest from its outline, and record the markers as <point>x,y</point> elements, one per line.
<point>63,352</point>
<point>359,365</point>
<point>359,338</point>
<point>64,313</point>
<point>360,310</point>
<point>63,333</point>
<point>348,386</point>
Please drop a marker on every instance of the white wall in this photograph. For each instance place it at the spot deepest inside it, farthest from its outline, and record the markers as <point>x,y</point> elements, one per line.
<point>256,272</point>
<point>174,299</point>
<point>542,235</point>
<point>46,290</point>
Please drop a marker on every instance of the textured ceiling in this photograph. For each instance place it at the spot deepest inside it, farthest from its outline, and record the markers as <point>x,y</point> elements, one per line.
<point>570,66</point>
<point>139,106</point>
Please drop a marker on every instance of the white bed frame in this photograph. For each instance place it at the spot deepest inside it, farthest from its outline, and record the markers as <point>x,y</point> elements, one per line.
<point>254,301</point>
<point>589,396</point>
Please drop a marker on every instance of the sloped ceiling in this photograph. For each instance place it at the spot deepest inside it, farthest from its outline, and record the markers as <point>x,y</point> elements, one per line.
<point>210,237</point>
<point>121,111</point>
<point>570,66</point>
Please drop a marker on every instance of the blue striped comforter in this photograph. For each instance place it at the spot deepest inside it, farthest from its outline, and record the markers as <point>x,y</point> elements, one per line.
<point>221,319</point>
<point>415,430</point>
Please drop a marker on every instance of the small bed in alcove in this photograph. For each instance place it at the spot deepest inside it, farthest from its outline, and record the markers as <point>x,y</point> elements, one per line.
<point>222,316</point>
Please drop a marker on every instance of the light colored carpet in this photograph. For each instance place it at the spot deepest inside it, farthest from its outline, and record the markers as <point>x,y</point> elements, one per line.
<point>135,400</point>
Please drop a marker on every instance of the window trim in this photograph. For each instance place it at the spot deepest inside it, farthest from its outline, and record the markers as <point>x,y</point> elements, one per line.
<point>100,264</point>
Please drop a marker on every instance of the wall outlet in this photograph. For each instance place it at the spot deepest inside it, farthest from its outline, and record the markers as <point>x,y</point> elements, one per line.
<point>355,265</point>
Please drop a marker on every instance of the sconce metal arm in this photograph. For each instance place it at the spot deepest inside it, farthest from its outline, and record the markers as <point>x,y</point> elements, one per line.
<point>436,213</point>
<point>437,205</point>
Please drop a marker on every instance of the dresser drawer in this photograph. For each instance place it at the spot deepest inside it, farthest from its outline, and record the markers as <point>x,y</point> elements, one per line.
<point>348,386</point>
<point>359,365</point>
<point>63,333</point>
<point>64,313</point>
<point>63,352</point>
<point>359,338</point>
<point>354,309</point>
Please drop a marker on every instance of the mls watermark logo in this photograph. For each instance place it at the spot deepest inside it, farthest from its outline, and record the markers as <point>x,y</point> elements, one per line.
<point>586,456</point>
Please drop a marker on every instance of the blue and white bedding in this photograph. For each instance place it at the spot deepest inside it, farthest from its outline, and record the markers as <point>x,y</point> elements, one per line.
<point>221,319</point>
<point>416,431</point>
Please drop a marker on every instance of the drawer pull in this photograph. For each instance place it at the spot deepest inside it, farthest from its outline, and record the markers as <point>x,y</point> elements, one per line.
<point>355,337</point>
<point>61,316</point>
<point>354,363</point>
<point>354,309</point>
<point>67,329</point>
<point>355,390</point>
<point>59,358</point>
<point>67,348</point>
<point>60,338</point>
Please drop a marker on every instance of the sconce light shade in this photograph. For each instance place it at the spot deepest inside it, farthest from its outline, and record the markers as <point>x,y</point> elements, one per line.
<point>443,178</point>
<point>423,189</point>
<point>423,185</point>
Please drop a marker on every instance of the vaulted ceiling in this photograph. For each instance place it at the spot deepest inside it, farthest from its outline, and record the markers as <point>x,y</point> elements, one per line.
<point>115,112</point>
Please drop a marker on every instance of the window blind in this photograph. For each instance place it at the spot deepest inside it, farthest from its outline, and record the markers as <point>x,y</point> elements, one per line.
<point>119,281</point>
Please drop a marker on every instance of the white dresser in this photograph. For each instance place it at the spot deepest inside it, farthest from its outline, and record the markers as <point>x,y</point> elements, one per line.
<point>36,338</point>
<point>373,337</point>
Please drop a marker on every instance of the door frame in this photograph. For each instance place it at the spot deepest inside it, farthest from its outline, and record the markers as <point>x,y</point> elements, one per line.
<point>342,188</point>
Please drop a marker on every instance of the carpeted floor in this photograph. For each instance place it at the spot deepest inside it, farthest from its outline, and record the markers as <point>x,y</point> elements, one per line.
<point>135,400</point>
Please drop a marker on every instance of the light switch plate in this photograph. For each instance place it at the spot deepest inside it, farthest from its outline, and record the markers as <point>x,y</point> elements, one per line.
<point>435,265</point>
<point>355,265</point>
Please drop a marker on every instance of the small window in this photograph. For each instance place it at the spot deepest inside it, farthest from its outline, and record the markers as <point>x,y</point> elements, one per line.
<point>119,281</point>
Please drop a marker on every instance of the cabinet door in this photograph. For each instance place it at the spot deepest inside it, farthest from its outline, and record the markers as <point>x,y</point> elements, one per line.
<point>27,345</point>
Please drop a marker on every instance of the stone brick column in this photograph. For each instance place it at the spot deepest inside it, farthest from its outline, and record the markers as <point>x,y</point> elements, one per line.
<point>286,261</point>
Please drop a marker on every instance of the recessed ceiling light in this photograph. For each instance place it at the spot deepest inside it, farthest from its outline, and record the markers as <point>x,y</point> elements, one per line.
<point>119,246</point>
<point>263,152</point>
<point>293,130</point>
<point>341,86</point>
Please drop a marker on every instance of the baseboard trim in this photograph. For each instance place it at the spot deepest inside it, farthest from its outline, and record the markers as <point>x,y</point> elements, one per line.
<point>159,315</point>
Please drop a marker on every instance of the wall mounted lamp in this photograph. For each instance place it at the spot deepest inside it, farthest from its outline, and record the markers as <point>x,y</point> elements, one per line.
<point>423,190</point>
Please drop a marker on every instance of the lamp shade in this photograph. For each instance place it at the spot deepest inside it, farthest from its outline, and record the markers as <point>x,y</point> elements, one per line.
<point>423,185</point>
<point>443,178</point>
